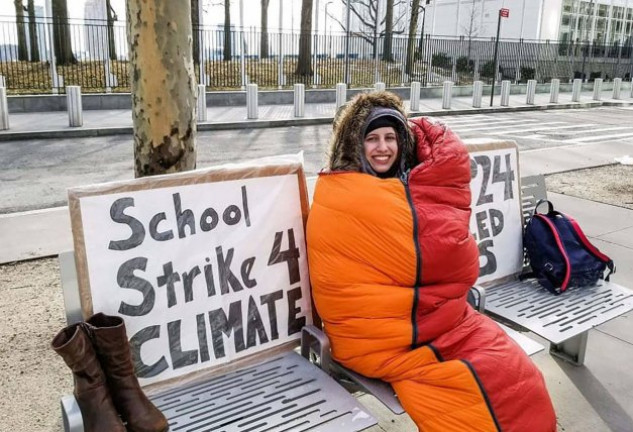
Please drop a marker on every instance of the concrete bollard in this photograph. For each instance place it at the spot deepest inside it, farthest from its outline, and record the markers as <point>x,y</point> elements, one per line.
<point>201,103</point>
<point>478,90</point>
<point>341,94</point>
<point>530,92</point>
<point>73,103</point>
<point>631,89</point>
<point>4,109</point>
<point>617,88</point>
<point>379,86</point>
<point>447,94</point>
<point>597,89</point>
<point>554,91</point>
<point>505,93</point>
<point>251,101</point>
<point>576,88</point>
<point>300,100</point>
<point>415,96</point>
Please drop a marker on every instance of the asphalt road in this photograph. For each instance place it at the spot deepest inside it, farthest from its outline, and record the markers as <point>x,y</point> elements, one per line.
<point>35,174</point>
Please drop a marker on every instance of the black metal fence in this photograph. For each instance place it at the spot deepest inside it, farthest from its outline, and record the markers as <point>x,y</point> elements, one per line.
<point>227,61</point>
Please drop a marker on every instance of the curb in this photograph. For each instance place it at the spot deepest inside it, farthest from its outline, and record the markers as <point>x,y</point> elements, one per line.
<point>259,124</point>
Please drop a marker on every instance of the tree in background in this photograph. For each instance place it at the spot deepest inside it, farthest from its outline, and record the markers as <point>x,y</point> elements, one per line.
<point>111,18</point>
<point>23,52</point>
<point>33,38</point>
<point>228,52</point>
<point>304,64</point>
<point>163,86</point>
<point>471,29</point>
<point>264,39</point>
<point>195,30</point>
<point>413,26</point>
<point>61,34</point>
<point>368,19</point>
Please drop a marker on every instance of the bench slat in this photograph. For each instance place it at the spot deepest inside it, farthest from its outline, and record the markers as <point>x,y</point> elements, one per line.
<point>558,318</point>
<point>283,393</point>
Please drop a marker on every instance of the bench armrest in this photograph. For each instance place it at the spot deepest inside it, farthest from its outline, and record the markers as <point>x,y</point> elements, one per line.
<point>479,293</point>
<point>315,347</point>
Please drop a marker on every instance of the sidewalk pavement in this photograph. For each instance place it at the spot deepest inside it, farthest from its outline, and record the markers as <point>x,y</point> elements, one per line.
<point>117,122</point>
<point>595,397</point>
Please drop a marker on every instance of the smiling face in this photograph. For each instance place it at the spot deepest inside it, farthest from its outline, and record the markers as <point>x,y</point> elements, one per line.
<point>381,148</point>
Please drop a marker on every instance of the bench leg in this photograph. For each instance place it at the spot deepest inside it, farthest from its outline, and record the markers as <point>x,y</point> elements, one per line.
<point>572,350</point>
<point>71,415</point>
<point>315,343</point>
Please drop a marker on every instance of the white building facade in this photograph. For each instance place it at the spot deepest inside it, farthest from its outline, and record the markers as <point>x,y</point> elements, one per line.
<point>602,21</point>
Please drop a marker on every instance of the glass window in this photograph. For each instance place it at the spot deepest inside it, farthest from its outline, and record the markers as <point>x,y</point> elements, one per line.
<point>567,6</point>
<point>603,10</point>
<point>566,20</point>
<point>618,12</point>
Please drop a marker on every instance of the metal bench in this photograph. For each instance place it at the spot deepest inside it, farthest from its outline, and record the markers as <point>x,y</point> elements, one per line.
<point>563,320</point>
<point>283,392</point>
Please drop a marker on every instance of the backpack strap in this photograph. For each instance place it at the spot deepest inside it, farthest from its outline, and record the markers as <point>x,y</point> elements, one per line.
<point>550,206</point>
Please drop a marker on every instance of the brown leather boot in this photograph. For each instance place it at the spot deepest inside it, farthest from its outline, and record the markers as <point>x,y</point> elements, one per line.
<point>113,349</point>
<point>91,390</point>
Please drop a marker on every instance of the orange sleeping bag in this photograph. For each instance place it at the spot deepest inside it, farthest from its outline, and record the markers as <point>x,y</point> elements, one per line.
<point>391,264</point>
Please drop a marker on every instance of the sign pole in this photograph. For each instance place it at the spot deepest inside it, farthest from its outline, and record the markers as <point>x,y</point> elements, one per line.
<point>503,13</point>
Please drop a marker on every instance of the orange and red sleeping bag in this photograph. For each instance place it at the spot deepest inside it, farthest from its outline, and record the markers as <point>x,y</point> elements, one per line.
<point>391,264</point>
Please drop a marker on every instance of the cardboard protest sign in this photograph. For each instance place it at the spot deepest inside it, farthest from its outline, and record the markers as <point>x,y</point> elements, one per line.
<point>496,220</point>
<point>204,267</point>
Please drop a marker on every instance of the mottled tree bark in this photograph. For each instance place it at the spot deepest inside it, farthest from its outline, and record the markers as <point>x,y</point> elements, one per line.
<point>264,40</point>
<point>304,62</point>
<point>61,34</point>
<point>163,84</point>
<point>33,38</point>
<point>23,52</point>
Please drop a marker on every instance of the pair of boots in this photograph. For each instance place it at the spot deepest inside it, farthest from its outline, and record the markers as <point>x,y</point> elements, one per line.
<point>98,353</point>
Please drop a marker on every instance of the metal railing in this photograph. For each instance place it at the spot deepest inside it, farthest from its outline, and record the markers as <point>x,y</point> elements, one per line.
<point>98,59</point>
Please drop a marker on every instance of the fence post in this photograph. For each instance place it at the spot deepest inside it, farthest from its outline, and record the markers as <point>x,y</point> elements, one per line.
<point>531,91</point>
<point>554,90</point>
<point>478,89</point>
<point>73,103</point>
<point>251,101</point>
<point>415,96</point>
<point>341,94</point>
<point>4,109</point>
<point>300,100</point>
<point>576,89</point>
<point>447,93</point>
<point>597,89</point>
<point>202,103</point>
<point>505,93</point>
<point>617,88</point>
<point>379,86</point>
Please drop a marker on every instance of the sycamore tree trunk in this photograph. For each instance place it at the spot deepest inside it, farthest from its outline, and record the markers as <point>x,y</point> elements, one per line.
<point>163,84</point>
<point>228,52</point>
<point>304,63</point>
<point>264,40</point>
<point>387,52</point>
<point>61,34</point>
<point>33,38</point>
<point>23,52</point>
<point>413,25</point>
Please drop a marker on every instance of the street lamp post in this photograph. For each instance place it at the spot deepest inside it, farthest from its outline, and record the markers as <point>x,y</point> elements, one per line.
<point>346,77</point>
<point>315,44</point>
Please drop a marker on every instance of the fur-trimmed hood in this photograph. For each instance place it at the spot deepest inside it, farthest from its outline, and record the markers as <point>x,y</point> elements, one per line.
<point>346,147</point>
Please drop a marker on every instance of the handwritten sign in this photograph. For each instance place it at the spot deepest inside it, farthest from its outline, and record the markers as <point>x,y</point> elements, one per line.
<point>496,220</point>
<point>204,267</point>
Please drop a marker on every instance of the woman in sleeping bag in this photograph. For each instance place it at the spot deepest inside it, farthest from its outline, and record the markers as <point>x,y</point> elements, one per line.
<point>391,263</point>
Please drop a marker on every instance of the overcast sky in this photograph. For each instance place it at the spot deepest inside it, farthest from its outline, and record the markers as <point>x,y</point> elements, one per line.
<point>214,11</point>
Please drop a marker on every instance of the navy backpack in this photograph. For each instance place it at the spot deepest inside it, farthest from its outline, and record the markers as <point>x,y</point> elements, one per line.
<point>560,254</point>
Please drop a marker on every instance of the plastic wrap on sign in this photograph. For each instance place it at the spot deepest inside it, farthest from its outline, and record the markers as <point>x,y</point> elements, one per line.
<point>208,268</point>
